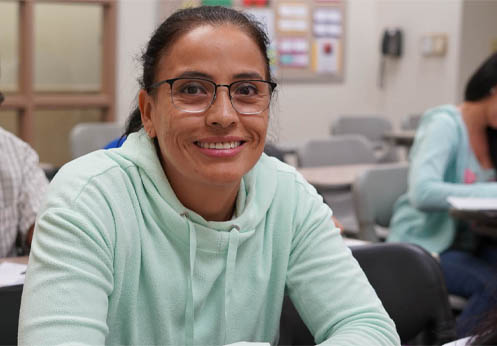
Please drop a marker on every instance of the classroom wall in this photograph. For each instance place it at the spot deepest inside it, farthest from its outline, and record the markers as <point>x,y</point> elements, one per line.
<point>413,83</point>
<point>136,20</point>
<point>416,82</point>
<point>477,41</point>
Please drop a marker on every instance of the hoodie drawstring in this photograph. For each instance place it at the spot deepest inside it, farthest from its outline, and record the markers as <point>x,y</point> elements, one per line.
<point>234,237</point>
<point>190,302</point>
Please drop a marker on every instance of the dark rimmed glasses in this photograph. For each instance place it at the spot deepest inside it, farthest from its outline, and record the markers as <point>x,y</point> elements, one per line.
<point>196,95</point>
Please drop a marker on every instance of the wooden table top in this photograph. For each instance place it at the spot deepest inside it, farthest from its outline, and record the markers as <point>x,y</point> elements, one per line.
<point>21,260</point>
<point>335,176</point>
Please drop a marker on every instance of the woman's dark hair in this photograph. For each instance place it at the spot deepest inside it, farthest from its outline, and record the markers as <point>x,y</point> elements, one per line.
<point>479,87</point>
<point>180,23</point>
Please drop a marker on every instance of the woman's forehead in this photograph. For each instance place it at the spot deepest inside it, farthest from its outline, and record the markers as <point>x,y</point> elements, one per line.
<point>213,49</point>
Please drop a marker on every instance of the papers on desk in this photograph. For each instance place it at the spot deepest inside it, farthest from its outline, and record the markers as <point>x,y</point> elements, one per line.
<point>246,343</point>
<point>472,203</point>
<point>12,273</point>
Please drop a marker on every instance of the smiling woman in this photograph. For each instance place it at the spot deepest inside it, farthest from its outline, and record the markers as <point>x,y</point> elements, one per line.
<point>188,233</point>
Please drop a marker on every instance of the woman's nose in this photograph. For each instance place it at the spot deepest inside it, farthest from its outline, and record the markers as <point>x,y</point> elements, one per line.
<point>221,114</point>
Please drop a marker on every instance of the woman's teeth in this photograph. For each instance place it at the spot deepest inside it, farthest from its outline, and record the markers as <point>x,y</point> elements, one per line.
<point>220,145</point>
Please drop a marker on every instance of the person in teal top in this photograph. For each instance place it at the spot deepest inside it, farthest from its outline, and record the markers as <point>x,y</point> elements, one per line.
<point>454,154</point>
<point>188,234</point>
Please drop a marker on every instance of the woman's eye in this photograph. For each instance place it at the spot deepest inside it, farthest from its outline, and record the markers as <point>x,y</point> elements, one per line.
<point>193,89</point>
<point>246,90</point>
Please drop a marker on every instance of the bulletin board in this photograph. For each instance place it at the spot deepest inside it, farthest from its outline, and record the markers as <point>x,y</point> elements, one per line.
<point>307,36</point>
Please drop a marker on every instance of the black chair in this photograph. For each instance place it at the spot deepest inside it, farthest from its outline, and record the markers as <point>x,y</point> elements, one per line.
<point>408,281</point>
<point>10,302</point>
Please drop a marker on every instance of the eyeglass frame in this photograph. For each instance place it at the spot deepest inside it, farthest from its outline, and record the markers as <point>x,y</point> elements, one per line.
<point>172,80</point>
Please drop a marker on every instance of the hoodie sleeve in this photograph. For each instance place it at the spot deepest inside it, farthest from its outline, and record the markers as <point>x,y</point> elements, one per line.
<point>327,286</point>
<point>70,272</point>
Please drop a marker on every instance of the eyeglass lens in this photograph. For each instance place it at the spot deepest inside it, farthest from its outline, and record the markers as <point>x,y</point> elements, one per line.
<point>195,95</point>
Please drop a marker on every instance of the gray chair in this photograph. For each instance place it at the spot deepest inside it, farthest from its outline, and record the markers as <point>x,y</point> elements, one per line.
<point>374,195</point>
<point>338,150</point>
<point>373,127</point>
<point>88,137</point>
<point>411,122</point>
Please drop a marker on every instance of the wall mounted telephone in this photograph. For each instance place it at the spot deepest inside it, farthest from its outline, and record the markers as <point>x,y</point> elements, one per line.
<point>391,46</point>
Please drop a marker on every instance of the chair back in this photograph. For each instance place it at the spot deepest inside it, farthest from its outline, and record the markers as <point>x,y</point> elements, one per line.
<point>272,150</point>
<point>337,150</point>
<point>410,284</point>
<point>10,302</point>
<point>88,137</point>
<point>370,126</point>
<point>411,122</point>
<point>373,127</point>
<point>374,194</point>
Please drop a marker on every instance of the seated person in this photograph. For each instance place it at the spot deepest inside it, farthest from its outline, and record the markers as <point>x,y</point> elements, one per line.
<point>454,154</point>
<point>188,234</point>
<point>22,187</point>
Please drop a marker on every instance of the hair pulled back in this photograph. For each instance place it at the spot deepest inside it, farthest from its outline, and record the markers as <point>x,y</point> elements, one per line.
<point>182,22</point>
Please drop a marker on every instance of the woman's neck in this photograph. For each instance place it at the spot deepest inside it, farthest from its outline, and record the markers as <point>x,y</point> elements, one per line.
<point>473,114</point>
<point>212,202</point>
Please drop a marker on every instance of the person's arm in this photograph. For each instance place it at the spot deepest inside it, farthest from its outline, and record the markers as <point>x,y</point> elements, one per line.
<point>34,184</point>
<point>435,151</point>
<point>327,286</point>
<point>70,271</point>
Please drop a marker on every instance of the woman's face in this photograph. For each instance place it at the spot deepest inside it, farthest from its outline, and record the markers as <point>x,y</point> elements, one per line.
<point>193,145</point>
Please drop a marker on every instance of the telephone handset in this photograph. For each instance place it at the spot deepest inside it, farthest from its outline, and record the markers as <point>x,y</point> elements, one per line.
<point>391,46</point>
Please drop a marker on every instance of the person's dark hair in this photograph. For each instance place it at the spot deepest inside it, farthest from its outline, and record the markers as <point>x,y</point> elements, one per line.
<point>180,23</point>
<point>479,87</point>
<point>486,331</point>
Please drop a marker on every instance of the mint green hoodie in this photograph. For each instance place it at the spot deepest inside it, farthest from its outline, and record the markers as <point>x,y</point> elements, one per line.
<point>438,161</point>
<point>117,259</point>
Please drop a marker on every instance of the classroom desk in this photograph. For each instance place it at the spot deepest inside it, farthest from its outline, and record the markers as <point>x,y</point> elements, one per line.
<point>21,260</point>
<point>483,222</point>
<point>335,176</point>
<point>402,138</point>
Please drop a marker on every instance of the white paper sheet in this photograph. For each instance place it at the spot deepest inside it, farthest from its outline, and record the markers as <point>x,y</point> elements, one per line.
<point>12,273</point>
<point>246,343</point>
<point>472,203</point>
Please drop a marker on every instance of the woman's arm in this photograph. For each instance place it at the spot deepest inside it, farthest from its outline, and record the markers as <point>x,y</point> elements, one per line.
<point>433,157</point>
<point>70,274</point>
<point>327,286</point>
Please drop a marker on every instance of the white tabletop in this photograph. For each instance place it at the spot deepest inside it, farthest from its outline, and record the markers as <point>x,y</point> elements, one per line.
<point>335,176</point>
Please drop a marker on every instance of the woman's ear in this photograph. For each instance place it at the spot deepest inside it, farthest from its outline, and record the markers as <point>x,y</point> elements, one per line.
<point>145,103</point>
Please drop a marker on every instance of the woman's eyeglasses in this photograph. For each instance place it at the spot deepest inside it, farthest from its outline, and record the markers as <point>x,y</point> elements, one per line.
<point>196,95</point>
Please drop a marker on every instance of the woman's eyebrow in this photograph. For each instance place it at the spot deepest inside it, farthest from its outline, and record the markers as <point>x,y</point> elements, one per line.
<point>195,74</point>
<point>248,75</point>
